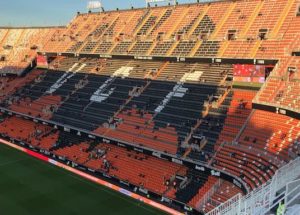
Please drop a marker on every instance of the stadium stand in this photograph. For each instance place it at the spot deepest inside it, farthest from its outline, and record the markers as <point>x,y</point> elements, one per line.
<point>19,47</point>
<point>191,84</point>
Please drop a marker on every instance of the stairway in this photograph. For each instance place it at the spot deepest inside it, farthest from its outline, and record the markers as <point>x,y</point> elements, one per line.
<point>223,48</point>
<point>196,47</point>
<point>252,19</point>
<point>175,25</point>
<point>145,19</point>
<point>255,48</point>
<point>197,22</point>
<point>281,18</point>
<point>172,48</point>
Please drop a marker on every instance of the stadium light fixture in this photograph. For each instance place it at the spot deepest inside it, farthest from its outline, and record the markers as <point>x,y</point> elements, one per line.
<point>95,5</point>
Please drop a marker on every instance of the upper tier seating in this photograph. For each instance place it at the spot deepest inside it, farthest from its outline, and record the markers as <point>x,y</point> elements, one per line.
<point>9,85</point>
<point>243,29</point>
<point>18,47</point>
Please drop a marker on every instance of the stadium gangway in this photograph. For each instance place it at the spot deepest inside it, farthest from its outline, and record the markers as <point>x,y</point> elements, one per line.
<point>260,201</point>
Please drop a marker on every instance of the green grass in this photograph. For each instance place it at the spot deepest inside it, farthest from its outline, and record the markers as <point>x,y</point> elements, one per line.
<point>32,187</point>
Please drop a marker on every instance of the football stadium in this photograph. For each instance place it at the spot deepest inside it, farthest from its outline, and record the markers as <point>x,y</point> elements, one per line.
<point>170,108</point>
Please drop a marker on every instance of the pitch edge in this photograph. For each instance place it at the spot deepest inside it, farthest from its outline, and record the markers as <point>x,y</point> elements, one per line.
<point>93,179</point>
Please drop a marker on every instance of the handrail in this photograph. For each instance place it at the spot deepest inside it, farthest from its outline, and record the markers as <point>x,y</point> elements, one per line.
<point>260,200</point>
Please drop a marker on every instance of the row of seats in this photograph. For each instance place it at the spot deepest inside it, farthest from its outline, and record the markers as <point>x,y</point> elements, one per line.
<point>224,192</point>
<point>245,29</point>
<point>282,87</point>
<point>267,141</point>
<point>37,135</point>
<point>239,109</point>
<point>18,47</point>
<point>254,166</point>
<point>9,85</point>
<point>279,134</point>
<point>141,170</point>
<point>94,102</point>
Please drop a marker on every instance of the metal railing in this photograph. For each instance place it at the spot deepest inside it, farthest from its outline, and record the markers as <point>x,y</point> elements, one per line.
<point>261,200</point>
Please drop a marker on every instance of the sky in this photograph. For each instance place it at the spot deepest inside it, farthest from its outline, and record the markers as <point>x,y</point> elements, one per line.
<point>15,13</point>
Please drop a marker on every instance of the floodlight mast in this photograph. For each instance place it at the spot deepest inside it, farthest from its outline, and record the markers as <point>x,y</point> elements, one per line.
<point>149,2</point>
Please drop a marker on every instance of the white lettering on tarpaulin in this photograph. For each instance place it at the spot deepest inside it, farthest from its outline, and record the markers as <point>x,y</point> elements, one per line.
<point>237,183</point>
<point>215,173</point>
<point>201,168</point>
<point>178,91</point>
<point>174,160</point>
<point>102,93</point>
<point>63,79</point>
